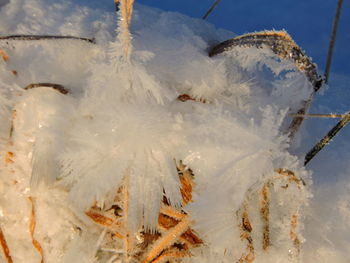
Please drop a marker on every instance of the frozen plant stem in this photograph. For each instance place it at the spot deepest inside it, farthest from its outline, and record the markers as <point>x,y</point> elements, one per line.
<point>126,7</point>
<point>333,116</point>
<point>45,37</point>
<point>332,40</point>
<point>211,9</point>
<point>325,140</point>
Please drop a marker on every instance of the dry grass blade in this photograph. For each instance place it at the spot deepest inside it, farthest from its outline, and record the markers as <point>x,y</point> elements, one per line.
<point>325,140</point>
<point>32,226</point>
<point>309,115</point>
<point>281,44</point>
<point>294,234</point>
<point>167,239</point>
<point>5,248</point>
<point>169,242</point>
<point>332,40</point>
<point>211,9</point>
<point>265,215</point>
<point>246,228</point>
<point>45,37</point>
<point>262,195</point>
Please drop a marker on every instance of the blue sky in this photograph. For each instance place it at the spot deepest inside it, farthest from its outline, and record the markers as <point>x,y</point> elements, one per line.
<point>308,21</point>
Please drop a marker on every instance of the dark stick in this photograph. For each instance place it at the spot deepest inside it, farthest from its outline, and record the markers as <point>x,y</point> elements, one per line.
<point>54,86</point>
<point>211,9</point>
<point>332,40</point>
<point>322,143</point>
<point>45,37</point>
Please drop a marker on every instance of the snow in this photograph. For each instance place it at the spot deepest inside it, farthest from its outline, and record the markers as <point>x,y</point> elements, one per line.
<point>121,125</point>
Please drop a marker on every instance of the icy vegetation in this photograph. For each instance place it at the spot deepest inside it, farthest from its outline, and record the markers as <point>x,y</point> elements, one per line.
<point>150,150</point>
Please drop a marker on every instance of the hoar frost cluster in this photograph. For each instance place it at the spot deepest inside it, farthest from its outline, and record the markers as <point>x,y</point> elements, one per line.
<point>121,130</point>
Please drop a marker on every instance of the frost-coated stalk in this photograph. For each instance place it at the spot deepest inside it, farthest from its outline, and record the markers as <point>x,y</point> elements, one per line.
<point>325,140</point>
<point>45,37</point>
<point>310,115</point>
<point>126,12</point>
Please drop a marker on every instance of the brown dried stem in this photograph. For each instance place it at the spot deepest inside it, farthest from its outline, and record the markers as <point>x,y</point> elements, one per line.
<point>294,232</point>
<point>32,226</point>
<point>167,239</point>
<point>5,247</point>
<point>126,12</point>
<point>265,215</point>
<point>309,115</point>
<point>246,229</point>
<point>54,86</point>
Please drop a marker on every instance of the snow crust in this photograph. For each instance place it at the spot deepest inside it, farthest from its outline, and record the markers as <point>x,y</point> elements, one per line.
<point>123,119</point>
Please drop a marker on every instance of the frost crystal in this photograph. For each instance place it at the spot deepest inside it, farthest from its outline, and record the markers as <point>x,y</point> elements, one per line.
<point>142,148</point>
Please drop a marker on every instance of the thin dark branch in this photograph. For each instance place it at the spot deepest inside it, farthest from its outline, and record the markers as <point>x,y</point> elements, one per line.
<point>45,37</point>
<point>332,40</point>
<point>322,143</point>
<point>54,86</point>
<point>310,115</point>
<point>211,9</point>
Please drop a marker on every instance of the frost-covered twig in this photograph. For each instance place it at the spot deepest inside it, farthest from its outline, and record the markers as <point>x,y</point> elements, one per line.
<point>45,37</point>
<point>281,44</point>
<point>325,140</point>
<point>310,115</point>
<point>246,228</point>
<point>211,9</point>
<point>332,40</point>
<point>126,7</point>
<point>262,192</point>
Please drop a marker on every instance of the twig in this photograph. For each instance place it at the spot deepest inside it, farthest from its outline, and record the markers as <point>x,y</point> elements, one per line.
<point>325,140</point>
<point>45,37</point>
<point>280,43</point>
<point>162,243</point>
<point>54,86</point>
<point>332,40</point>
<point>317,115</point>
<point>211,9</point>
